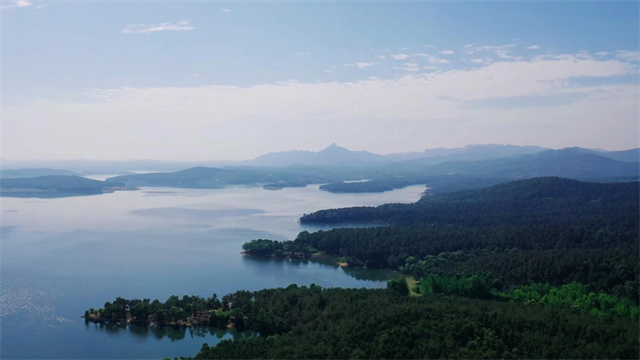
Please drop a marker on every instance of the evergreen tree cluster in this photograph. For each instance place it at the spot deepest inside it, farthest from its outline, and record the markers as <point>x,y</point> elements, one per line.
<point>301,322</point>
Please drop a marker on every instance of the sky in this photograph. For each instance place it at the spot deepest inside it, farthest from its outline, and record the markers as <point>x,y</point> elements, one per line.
<point>213,80</point>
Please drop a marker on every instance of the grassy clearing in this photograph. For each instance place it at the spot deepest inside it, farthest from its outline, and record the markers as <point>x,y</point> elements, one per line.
<point>412,285</point>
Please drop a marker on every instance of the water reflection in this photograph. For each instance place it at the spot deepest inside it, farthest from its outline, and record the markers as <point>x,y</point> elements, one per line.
<point>173,333</point>
<point>323,263</point>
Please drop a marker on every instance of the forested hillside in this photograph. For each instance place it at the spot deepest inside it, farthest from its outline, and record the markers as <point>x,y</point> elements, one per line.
<point>548,200</point>
<point>373,324</point>
<point>547,230</point>
<point>310,322</point>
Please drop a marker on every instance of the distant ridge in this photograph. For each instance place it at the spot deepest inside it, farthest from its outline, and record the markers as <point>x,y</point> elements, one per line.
<point>335,155</point>
<point>332,155</point>
<point>575,163</point>
<point>30,173</point>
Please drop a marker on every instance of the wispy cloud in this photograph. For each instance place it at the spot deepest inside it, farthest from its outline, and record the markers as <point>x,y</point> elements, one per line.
<point>413,109</point>
<point>328,71</point>
<point>381,57</point>
<point>502,51</point>
<point>360,65</point>
<point>165,26</point>
<point>225,10</point>
<point>602,53</point>
<point>628,55</point>
<point>430,58</point>
<point>433,59</point>
<point>534,47</point>
<point>484,61</point>
<point>15,4</point>
<point>411,67</point>
<point>447,52</point>
<point>301,53</point>
<point>399,56</point>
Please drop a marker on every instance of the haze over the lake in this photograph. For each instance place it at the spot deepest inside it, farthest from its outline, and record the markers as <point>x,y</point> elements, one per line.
<point>224,80</point>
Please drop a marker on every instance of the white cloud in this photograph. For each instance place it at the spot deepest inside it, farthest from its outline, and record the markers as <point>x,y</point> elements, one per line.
<point>430,58</point>
<point>148,29</point>
<point>412,67</point>
<point>362,65</point>
<point>502,51</point>
<point>15,4</point>
<point>433,59</point>
<point>481,61</point>
<point>534,47</point>
<point>381,57</point>
<point>399,56</point>
<point>447,52</point>
<point>627,55</point>
<point>328,71</point>
<point>225,10</point>
<point>602,53</point>
<point>194,75</point>
<point>446,108</point>
<point>300,53</point>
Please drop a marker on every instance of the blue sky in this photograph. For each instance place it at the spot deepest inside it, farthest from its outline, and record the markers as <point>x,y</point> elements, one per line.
<point>208,80</point>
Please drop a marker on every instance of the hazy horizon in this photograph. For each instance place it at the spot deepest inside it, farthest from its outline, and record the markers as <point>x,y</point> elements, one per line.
<point>217,81</point>
<point>300,150</point>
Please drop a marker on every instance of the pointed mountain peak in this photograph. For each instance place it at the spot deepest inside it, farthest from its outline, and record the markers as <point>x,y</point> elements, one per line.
<point>333,148</point>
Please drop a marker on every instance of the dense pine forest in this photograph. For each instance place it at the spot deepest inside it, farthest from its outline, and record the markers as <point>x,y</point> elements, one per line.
<point>311,322</point>
<point>545,267</point>
<point>543,230</point>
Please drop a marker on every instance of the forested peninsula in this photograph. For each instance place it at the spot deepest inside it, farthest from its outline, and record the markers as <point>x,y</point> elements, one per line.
<point>54,186</point>
<point>544,267</point>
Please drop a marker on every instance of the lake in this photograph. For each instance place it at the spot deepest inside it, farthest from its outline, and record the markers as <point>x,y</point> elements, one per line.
<point>62,256</point>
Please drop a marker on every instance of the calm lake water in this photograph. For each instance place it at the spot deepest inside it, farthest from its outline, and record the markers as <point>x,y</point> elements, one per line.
<point>61,256</point>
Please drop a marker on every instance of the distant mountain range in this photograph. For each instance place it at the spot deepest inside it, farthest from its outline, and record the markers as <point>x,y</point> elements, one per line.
<point>332,156</point>
<point>445,169</point>
<point>572,163</point>
<point>335,155</point>
<point>335,164</point>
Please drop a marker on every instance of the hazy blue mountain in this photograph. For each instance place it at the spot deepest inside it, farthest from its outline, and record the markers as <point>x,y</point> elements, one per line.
<point>335,164</point>
<point>490,151</point>
<point>333,155</point>
<point>198,177</point>
<point>212,178</point>
<point>110,166</point>
<point>29,173</point>
<point>56,186</point>
<point>632,155</point>
<point>569,163</point>
<point>572,163</point>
